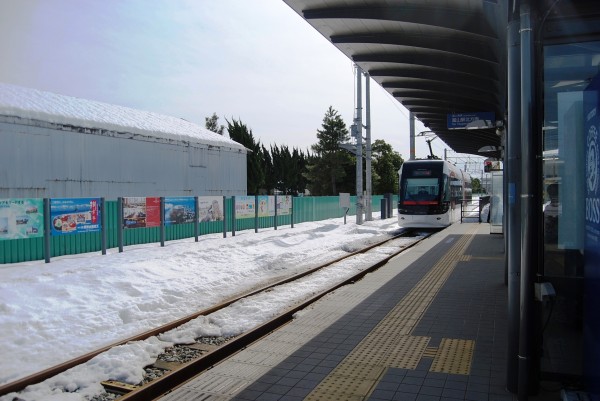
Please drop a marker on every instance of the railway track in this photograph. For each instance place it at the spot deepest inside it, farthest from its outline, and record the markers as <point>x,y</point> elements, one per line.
<point>165,375</point>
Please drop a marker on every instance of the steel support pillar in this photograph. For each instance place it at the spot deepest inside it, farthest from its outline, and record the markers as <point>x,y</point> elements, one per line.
<point>527,352</point>
<point>512,167</point>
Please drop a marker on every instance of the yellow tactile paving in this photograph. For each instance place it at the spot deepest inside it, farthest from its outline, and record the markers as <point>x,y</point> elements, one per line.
<point>400,352</point>
<point>390,344</point>
<point>453,356</point>
<point>430,352</point>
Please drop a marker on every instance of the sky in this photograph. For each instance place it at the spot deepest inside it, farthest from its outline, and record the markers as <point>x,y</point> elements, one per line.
<point>256,61</point>
<point>50,313</point>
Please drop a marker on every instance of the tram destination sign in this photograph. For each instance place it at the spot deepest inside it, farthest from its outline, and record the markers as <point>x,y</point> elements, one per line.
<point>475,120</point>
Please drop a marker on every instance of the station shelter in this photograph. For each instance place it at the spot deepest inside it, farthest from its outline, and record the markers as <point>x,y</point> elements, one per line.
<point>533,66</point>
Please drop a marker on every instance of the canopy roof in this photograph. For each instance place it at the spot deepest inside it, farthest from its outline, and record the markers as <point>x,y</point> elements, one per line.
<point>436,57</point>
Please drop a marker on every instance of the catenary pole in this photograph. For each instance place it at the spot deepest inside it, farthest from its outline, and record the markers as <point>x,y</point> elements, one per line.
<point>368,202</point>
<point>411,121</point>
<point>359,167</point>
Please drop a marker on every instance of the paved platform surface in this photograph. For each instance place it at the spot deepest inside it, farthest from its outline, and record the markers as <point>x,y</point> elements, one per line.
<point>428,326</point>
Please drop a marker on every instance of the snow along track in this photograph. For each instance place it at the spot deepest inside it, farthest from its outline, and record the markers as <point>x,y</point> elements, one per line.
<point>206,356</point>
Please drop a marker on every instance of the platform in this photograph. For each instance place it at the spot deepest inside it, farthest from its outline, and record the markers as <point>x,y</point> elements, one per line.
<point>429,326</point>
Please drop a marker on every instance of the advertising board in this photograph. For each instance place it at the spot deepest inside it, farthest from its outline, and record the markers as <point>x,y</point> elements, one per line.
<point>141,212</point>
<point>263,206</point>
<point>591,307</point>
<point>284,205</point>
<point>180,210</point>
<point>210,208</point>
<point>21,218</point>
<point>245,207</point>
<point>75,215</point>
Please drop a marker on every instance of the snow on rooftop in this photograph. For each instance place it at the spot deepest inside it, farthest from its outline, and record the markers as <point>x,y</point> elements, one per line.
<point>26,103</point>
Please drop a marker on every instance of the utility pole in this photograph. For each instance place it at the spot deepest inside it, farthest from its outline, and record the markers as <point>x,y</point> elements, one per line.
<point>368,208</point>
<point>358,132</point>
<point>411,119</point>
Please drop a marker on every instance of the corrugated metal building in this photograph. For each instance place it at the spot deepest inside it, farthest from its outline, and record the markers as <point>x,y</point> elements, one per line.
<point>58,146</point>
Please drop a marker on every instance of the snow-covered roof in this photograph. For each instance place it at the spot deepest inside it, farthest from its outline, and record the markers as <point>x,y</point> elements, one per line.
<point>26,103</point>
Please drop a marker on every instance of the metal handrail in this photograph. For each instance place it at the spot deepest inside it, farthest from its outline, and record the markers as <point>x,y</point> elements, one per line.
<point>464,212</point>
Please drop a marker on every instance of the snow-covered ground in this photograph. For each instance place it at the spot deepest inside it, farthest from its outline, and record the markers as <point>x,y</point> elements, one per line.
<point>50,313</point>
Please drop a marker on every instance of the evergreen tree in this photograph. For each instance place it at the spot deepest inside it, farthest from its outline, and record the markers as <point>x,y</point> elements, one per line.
<point>288,171</point>
<point>348,181</point>
<point>255,163</point>
<point>297,166</point>
<point>299,163</point>
<point>270,173</point>
<point>476,185</point>
<point>212,124</point>
<point>284,170</point>
<point>280,168</point>
<point>331,164</point>
<point>385,165</point>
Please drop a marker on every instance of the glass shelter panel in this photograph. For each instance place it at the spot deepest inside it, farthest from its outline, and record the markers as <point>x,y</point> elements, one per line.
<point>569,70</point>
<point>496,204</point>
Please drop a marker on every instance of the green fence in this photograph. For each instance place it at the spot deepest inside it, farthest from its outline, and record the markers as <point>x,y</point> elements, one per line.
<point>304,209</point>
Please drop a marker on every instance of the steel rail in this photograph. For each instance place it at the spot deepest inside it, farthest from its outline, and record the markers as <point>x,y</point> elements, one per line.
<point>39,377</point>
<point>168,382</point>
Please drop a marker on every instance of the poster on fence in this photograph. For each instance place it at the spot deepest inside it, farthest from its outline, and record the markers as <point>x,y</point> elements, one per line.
<point>284,205</point>
<point>180,210</point>
<point>75,215</point>
<point>272,206</point>
<point>141,212</point>
<point>263,206</point>
<point>244,207</point>
<point>21,218</point>
<point>210,208</point>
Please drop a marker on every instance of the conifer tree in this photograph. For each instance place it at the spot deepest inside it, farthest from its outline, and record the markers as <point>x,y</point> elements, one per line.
<point>212,124</point>
<point>331,163</point>
<point>255,164</point>
<point>270,173</point>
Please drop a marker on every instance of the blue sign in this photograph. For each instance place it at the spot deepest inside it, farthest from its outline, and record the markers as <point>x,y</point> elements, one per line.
<point>75,215</point>
<point>476,120</point>
<point>591,322</point>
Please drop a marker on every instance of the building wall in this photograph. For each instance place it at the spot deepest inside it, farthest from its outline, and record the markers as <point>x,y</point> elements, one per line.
<point>40,159</point>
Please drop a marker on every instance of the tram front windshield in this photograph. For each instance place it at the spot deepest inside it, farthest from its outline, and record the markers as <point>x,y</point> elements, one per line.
<point>421,189</point>
<point>421,183</point>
